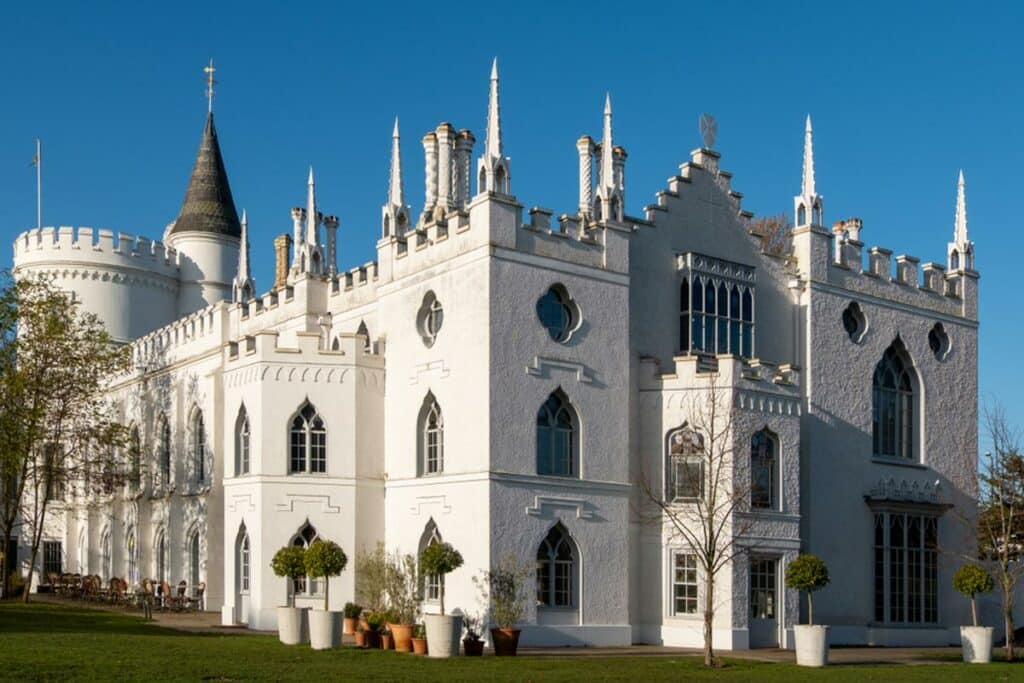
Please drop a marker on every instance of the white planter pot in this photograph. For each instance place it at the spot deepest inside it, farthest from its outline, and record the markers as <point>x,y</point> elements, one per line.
<point>976,643</point>
<point>443,634</point>
<point>811,645</point>
<point>324,629</point>
<point>292,625</point>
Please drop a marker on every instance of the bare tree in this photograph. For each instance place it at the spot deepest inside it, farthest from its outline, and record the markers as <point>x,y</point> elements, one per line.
<point>63,428</point>
<point>704,487</point>
<point>776,233</point>
<point>1001,510</point>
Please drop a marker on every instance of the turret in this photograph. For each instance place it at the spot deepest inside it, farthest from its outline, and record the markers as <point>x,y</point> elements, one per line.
<point>309,251</point>
<point>207,232</point>
<point>811,241</point>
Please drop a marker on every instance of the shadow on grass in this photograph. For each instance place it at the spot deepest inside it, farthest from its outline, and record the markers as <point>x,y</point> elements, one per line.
<point>17,617</point>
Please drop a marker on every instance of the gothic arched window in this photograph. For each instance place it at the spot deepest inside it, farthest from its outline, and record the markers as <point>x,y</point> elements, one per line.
<point>194,559</point>
<point>242,442</point>
<point>764,476</point>
<point>303,539</point>
<point>164,449</point>
<point>198,446</point>
<point>431,437</point>
<point>556,569</point>
<point>557,437</point>
<point>684,478</point>
<point>893,404</point>
<point>135,456</point>
<point>431,582</point>
<point>161,556</point>
<point>308,443</point>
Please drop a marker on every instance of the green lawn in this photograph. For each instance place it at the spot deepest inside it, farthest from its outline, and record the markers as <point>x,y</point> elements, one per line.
<point>56,643</point>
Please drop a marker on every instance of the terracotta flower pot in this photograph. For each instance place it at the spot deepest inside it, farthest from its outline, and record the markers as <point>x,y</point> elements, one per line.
<point>506,641</point>
<point>386,642</point>
<point>419,646</point>
<point>473,648</point>
<point>401,634</point>
<point>350,625</point>
<point>360,638</point>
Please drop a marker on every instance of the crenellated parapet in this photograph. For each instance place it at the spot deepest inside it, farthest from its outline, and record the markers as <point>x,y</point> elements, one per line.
<point>86,247</point>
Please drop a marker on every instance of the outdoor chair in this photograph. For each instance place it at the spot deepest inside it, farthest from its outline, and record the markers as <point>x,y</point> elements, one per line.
<point>166,598</point>
<point>180,597</point>
<point>195,603</point>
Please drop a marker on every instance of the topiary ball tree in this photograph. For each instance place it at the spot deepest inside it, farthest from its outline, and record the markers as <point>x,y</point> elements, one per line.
<point>438,559</point>
<point>807,573</point>
<point>970,580</point>
<point>325,559</point>
<point>289,562</point>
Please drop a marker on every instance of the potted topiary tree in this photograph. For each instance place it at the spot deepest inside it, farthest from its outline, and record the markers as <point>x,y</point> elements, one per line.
<point>325,559</point>
<point>472,644</point>
<point>975,641</point>
<point>351,613</point>
<point>290,563</point>
<point>443,630</point>
<point>503,588</point>
<point>808,573</point>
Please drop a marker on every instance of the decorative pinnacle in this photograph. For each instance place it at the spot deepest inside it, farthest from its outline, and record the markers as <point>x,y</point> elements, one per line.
<point>960,228</point>
<point>312,218</point>
<point>209,70</point>
<point>808,177</point>
<point>396,194</point>
<point>607,150</point>
<point>243,252</point>
<point>492,145</point>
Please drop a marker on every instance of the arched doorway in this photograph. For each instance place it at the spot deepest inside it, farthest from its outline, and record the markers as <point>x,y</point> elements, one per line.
<point>243,575</point>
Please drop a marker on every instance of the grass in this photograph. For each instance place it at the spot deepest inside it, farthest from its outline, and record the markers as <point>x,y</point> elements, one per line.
<point>41,642</point>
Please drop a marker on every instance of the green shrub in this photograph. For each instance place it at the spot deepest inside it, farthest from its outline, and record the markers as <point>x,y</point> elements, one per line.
<point>372,578</point>
<point>403,588</point>
<point>439,559</point>
<point>807,573</point>
<point>289,562</point>
<point>325,559</point>
<point>970,580</point>
<point>503,587</point>
<point>352,610</point>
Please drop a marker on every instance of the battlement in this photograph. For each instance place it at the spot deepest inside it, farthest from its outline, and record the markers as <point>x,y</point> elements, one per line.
<point>201,330</point>
<point>266,346</point>
<point>101,248</point>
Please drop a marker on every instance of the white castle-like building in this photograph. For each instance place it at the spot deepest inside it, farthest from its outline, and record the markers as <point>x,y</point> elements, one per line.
<point>502,379</point>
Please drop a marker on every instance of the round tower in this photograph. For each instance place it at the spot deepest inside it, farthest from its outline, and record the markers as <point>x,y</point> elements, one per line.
<point>207,232</point>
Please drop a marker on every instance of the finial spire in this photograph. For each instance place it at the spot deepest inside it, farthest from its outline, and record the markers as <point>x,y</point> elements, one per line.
<point>312,219</point>
<point>492,145</point>
<point>243,285</point>
<point>808,180</point>
<point>607,149</point>
<point>209,70</point>
<point>396,194</point>
<point>960,223</point>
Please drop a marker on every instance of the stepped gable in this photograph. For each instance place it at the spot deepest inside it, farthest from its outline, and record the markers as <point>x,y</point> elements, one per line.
<point>208,206</point>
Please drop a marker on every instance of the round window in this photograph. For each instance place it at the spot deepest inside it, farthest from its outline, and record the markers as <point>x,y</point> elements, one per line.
<point>558,313</point>
<point>938,341</point>
<point>430,318</point>
<point>854,322</point>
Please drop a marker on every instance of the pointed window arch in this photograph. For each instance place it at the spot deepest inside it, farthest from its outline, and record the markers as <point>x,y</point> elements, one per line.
<point>801,215</point>
<point>164,450</point>
<point>243,442</point>
<point>308,442</point>
<point>197,434</point>
<point>363,330</point>
<point>557,569</point>
<point>557,437</point>
<point>160,556</point>
<point>431,582</point>
<point>131,557</point>
<point>893,398</point>
<point>764,472</point>
<point>194,558</point>
<point>106,554</point>
<point>304,538</point>
<point>954,260</point>
<point>431,437</point>
<point>244,559</point>
<point>500,180</point>
<point>684,465</point>
<point>135,456</point>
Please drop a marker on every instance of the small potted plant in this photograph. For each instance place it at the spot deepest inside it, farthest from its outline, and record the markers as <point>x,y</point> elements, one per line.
<point>975,641</point>
<point>360,634</point>
<point>351,620</point>
<point>386,643</point>
<point>403,592</point>
<point>419,640</point>
<point>503,588</point>
<point>325,559</point>
<point>290,563</point>
<point>808,573</point>
<point>443,630</point>
<point>374,626</point>
<point>473,644</point>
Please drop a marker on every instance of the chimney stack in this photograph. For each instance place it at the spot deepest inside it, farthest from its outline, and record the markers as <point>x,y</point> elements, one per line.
<point>282,247</point>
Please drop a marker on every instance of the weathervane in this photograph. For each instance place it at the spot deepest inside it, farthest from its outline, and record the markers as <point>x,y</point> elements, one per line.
<point>209,85</point>
<point>708,129</point>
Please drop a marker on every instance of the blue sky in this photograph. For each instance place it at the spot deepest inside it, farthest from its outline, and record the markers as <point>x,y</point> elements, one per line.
<point>902,96</point>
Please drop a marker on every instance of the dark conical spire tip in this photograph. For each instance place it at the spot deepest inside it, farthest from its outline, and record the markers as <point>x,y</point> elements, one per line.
<point>208,205</point>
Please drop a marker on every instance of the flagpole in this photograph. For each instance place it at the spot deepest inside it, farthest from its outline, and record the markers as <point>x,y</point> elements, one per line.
<point>39,183</point>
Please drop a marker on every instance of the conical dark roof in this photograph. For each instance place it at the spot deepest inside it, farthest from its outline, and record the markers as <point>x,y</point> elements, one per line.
<point>208,206</point>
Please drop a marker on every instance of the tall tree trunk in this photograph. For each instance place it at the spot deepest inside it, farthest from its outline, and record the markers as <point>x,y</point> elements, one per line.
<point>974,610</point>
<point>1008,619</point>
<point>810,609</point>
<point>709,618</point>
